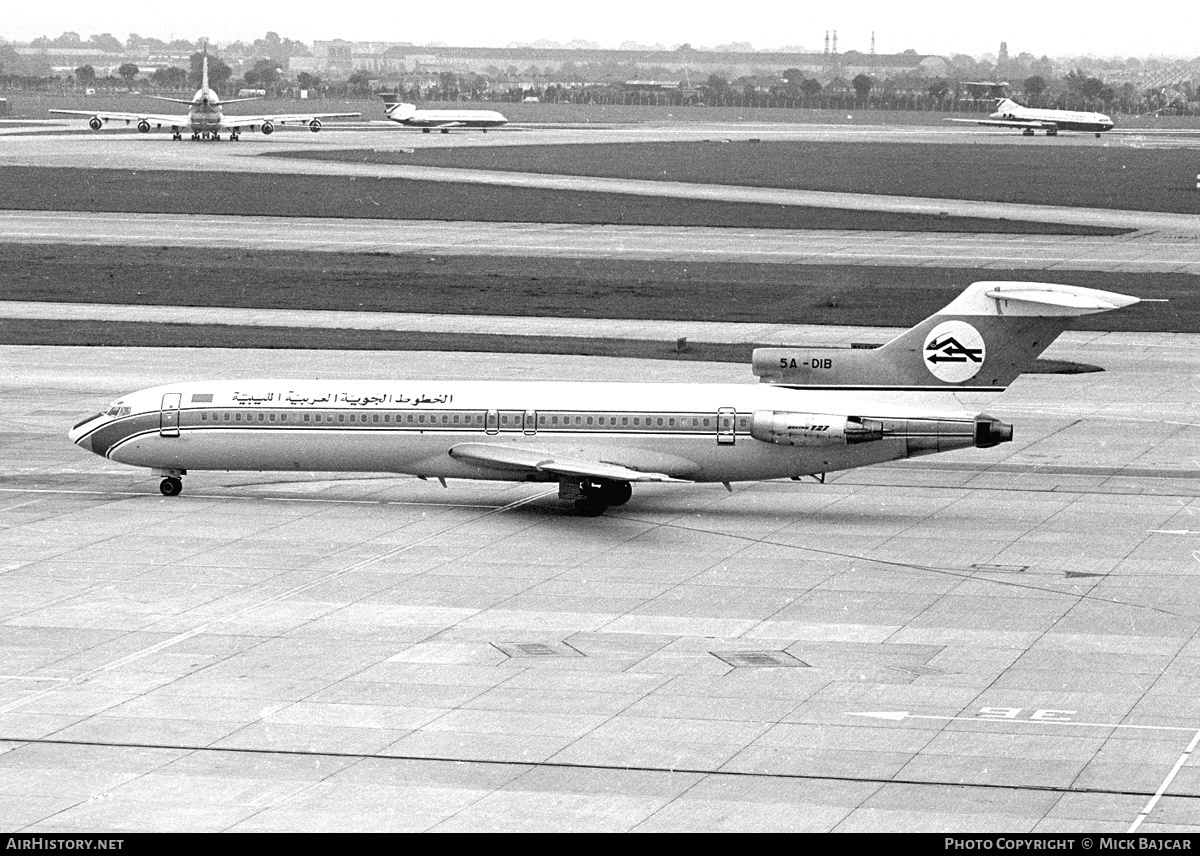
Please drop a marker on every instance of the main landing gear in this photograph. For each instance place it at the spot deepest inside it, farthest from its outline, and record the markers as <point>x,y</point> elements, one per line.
<point>592,497</point>
<point>172,483</point>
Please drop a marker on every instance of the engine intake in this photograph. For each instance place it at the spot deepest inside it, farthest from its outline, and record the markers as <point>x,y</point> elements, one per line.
<point>95,123</point>
<point>314,125</point>
<point>268,127</point>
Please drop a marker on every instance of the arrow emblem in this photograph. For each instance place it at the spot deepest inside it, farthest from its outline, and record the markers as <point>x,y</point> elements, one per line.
<point>952,351</point>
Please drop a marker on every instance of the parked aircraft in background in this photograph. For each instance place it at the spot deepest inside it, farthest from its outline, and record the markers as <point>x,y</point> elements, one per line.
<point>816,411</point>
<point>1010,114</point>
<point>206,119</point>
<point>438,120</point>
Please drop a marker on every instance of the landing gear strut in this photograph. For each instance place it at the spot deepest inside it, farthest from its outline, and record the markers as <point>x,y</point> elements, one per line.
<point>592,497</point>
<point>172,481</point>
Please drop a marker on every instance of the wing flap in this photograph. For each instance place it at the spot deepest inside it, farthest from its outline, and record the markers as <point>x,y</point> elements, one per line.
<point>541,461</point>
<point>1006,123</point>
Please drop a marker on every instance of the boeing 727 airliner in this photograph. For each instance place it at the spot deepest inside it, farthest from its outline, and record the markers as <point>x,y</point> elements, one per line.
<point>206,119</point>
<point>816,411</point>
<point>1010,114</point>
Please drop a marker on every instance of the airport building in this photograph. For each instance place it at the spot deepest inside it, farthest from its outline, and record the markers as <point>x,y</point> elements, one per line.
<point>339,58</point>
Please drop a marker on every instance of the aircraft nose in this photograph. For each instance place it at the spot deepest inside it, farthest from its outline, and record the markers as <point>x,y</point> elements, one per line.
<point>81,433</point>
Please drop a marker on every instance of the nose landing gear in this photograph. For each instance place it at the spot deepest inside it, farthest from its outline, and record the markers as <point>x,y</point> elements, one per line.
<point>172,483</point>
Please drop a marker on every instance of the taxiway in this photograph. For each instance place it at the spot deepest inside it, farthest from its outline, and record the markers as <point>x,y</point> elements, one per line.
<point>996,640</point>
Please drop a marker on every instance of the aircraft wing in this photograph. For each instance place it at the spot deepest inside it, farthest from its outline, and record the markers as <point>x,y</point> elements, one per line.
<point>496,456</point>
<point>1008,123</point>
<point>238,122</point>
<point>446,126</point>
<point>127,118</point>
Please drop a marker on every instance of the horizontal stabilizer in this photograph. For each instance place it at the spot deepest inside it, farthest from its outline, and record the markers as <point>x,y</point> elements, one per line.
<point>1083,300</point>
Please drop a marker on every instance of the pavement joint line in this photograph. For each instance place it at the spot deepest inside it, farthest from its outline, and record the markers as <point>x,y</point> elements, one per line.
<point>284,595</point>
<point>957,573</point>
<point>246,497</point>
<point>1162,789</point>
<point>642,768</point>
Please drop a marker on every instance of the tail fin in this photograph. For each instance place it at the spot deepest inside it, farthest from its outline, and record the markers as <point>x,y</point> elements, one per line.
<point>395,108</point>
<point>983,340</point>
<point>204,68</point>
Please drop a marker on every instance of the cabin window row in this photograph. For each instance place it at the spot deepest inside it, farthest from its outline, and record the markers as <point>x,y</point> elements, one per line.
<point>468,419</point>
<point>510,420</point>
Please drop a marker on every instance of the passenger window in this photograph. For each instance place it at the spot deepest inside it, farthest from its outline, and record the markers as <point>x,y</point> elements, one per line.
<point>203,417</point>
<point>660,422</point>
<point>226,417</point>
<point>238,417</point>
<point>671,421</point>
<point>624,421</point>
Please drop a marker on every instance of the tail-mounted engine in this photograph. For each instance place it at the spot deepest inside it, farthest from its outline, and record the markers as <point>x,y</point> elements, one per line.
<point>813,429</point>
<point>921,435</point>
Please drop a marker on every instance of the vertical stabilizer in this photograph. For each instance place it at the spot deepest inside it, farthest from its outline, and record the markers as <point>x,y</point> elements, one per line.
<point>204,68</point>
<point>983,340</point>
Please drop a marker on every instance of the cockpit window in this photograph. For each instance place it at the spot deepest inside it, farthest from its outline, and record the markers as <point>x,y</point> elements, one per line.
<point>118,408</point>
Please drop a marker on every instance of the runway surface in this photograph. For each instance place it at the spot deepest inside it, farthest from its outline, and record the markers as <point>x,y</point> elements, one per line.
<point>1163,251</point>
<point>990,640</point>
<point>151,151</point>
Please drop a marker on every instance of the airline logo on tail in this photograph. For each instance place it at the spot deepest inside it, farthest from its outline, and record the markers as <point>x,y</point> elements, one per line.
<point>954,351</point>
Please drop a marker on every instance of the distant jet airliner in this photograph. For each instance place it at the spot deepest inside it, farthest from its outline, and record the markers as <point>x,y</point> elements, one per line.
<point>816,411</point>
<point>439,120</point>
<point>1010,114</point>
<point>206,118</point>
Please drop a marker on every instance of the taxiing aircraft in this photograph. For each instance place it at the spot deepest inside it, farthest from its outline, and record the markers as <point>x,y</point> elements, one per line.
<point>206,119</point>
<point>816,411</point>
<point>1010,114</point>
<point>439,120</point>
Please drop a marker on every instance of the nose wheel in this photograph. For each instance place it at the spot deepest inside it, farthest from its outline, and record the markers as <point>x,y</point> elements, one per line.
<point>171,486</point>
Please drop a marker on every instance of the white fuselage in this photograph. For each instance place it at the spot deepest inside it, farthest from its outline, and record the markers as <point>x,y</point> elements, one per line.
<point>446,118</point>
<point>1065,120</point>
<point>695,432</point>
<point>204,116</point>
